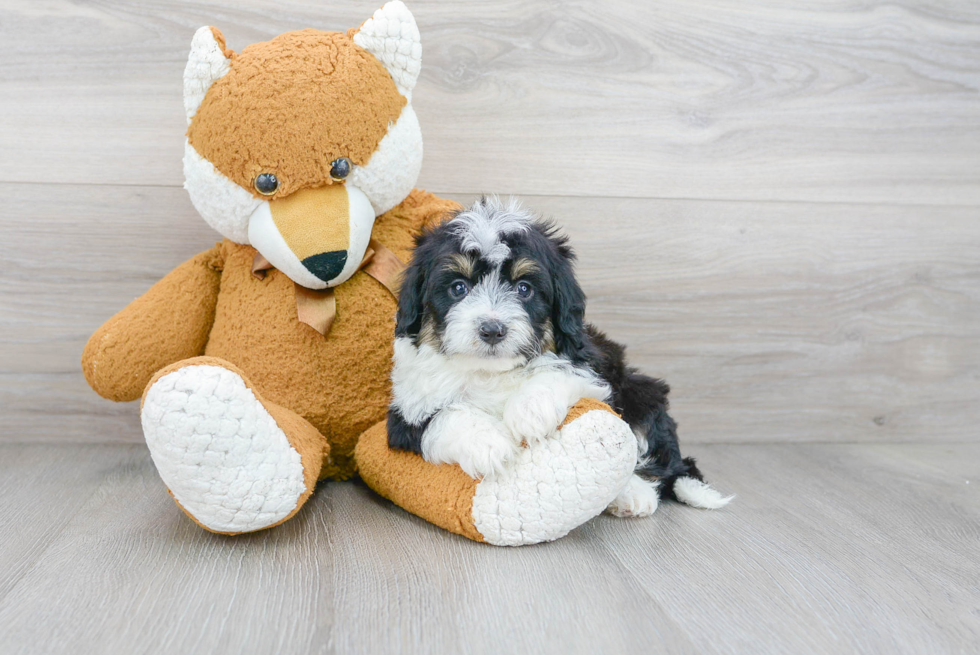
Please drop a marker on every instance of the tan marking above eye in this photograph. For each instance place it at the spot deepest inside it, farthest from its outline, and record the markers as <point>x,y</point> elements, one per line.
<point>461,264</point>
<point>522,267</point>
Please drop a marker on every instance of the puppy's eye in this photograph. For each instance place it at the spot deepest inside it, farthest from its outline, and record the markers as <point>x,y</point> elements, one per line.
<point>458,289</point>
<point>266,184</point>
<point>340,169</point>
<point>524,290</point>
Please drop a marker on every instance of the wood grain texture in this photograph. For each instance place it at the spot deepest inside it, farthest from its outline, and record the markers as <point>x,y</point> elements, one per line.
<point>826,549</point>
<point>772,321</point>
<point>859,100</point>
<point>775,207</point>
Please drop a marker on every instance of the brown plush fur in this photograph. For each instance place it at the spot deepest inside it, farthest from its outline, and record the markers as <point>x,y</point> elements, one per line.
<point>344,111</point>
<point>441,494</point>
<point>168,323</point>
<point>340,384</point>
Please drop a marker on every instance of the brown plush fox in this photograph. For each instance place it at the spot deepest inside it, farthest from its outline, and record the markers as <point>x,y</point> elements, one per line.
<point>263,363</point>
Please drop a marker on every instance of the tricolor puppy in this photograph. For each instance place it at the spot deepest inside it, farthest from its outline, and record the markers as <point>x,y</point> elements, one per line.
<point>491,350</point>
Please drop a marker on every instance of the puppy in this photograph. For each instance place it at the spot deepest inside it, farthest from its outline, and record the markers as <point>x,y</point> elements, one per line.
<point>492,349</point>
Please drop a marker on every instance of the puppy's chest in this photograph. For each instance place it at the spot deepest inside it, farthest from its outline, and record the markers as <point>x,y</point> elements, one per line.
<point>490,392</point>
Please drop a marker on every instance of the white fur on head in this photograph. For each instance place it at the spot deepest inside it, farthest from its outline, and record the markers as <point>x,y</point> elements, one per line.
<point>205,64</point>
<point>394,167</point>
<point>485,222</point>
<point>224,205</point>
<point>392,36</point>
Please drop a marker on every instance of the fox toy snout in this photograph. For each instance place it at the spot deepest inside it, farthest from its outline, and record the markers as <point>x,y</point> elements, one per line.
<point>317,237</point>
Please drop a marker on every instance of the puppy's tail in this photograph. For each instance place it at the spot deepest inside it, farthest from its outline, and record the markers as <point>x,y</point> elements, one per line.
<point>691,489</point>
<point>679,476</point>
<point>684,483</point>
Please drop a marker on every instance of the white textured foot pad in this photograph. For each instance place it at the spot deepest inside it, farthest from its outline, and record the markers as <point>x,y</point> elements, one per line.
<point>219,451</point>
<point>557,485</point>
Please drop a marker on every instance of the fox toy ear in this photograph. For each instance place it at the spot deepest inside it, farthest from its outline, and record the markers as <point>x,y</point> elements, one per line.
<point>207,62</point>
<point>392,36</point>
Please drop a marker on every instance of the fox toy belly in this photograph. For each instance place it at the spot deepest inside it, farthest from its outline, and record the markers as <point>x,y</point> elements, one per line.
<point>339,382</point>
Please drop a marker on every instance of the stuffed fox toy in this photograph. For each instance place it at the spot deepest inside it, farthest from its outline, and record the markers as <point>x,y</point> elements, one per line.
<point>263,363</point>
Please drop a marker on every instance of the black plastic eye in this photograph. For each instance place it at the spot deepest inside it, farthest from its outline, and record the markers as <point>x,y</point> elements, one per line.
<point>340,169</point>
<point>458,289</point>
<point>266,184</point>
<point>524,290</point>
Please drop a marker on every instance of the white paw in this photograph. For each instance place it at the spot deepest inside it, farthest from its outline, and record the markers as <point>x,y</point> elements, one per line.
<point>480,445</point>
<point>487,454</point>
<point>534,415</point>
<point>640,498</point>
<point>219,451</point>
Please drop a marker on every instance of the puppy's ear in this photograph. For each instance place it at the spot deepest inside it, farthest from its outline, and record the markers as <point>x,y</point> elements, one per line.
<point>568,306</point>
<point>411,292</point>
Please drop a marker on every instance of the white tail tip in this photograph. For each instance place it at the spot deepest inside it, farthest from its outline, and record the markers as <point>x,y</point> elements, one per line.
<point>698,494</point>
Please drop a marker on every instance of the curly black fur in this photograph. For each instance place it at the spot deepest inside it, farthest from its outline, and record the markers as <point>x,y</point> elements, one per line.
<point>642,402</point>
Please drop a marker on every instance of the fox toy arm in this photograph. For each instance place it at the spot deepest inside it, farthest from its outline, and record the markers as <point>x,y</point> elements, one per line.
<point>168,323</point>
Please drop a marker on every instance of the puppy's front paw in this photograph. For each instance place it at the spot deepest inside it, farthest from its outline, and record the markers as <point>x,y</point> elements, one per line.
<point>486,453</point>
<point>533,416</point>
<point>480,445</point>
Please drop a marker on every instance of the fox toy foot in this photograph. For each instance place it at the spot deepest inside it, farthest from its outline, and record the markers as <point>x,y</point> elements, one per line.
<point>233,462</point>
<point>553,486</point>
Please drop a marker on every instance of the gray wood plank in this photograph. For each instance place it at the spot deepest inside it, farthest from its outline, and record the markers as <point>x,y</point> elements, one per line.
<point>864,101</point>
<point>772,321</point>
<point>137,577</point>
<point>827,549</point>
<point>43,489</point>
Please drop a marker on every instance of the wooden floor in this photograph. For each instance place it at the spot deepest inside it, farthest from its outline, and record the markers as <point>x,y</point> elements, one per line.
<point>827,549</point>
<point>776,207</point>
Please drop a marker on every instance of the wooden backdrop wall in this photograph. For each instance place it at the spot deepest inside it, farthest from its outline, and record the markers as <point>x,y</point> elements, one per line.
<point>776,207</point>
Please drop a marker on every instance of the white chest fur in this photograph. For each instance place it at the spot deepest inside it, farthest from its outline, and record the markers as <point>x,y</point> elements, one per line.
<point>425,381</point>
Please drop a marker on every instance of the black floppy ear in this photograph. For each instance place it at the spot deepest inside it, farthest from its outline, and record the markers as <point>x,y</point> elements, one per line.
<point>408,321</point>
<point>568,305</point>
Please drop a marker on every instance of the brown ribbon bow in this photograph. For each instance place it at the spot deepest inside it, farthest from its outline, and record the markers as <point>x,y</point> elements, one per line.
<point>318,307</point>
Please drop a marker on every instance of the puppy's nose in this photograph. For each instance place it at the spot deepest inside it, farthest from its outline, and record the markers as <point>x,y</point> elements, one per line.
<point>492,332</point>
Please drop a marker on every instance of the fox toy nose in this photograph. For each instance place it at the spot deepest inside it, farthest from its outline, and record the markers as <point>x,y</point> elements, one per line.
<point>326,265</point>
<point>492,332</point>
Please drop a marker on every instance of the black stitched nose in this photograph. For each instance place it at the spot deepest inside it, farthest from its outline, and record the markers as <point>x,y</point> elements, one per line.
<point>492,332</point>
<point>326,265</point>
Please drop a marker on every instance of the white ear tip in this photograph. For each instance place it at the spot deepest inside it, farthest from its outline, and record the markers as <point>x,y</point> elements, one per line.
<point>392,36</point>
<point>203,36</point>
<point>205,64</point>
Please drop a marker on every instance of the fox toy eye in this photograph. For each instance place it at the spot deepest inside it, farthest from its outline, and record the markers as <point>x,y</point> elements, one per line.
<point>266,184</point>
<point>458,289</point>
<point>340,169</point>
<point>524,290</point>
